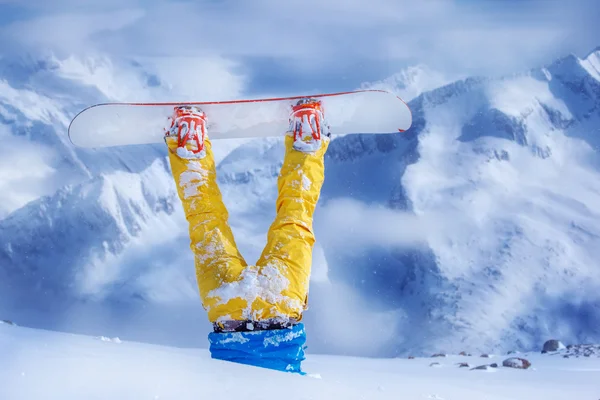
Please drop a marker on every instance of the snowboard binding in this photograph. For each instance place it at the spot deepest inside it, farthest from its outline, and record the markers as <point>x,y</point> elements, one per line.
<point>308,125</point>
<point>188,126</point>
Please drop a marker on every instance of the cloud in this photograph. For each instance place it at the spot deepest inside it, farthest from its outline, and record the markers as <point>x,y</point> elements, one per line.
<point>24,171</point>
<point>157,78</point>
<point>351,224</point>
<point>335,308</point>
<point>66,32</point>
<point>349,42</point>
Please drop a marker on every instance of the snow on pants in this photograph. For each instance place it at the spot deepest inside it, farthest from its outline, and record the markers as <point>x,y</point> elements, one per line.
<point>276,288</point>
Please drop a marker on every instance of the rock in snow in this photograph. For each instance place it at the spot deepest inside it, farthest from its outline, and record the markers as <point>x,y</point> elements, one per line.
<point>552,345</point>
<point>579,350</point>
<point>487,367</point>
<point>516,362</point>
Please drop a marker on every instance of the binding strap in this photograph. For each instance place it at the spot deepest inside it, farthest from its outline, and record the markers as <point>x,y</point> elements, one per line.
<point>249,326</point>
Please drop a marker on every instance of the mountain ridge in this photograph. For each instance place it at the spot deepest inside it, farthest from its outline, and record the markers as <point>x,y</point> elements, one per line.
<point>489,169</point>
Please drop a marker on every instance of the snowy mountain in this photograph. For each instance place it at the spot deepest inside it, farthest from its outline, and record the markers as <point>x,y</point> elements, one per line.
<point>72,219</point>
<point>411,82</point>
<point>478,229</point>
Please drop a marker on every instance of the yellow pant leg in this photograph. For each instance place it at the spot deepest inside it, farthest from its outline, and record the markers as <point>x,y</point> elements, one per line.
<point>217,258</point>
<point>287,258</point>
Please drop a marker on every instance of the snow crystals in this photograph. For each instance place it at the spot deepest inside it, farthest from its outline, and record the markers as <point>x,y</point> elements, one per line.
<point>107,339</point>
<point>277,339</point>
<point>191,179</point>
<point>306,183</point>
<point>266,283</point>
<point>234,337</point>
<point>187,154</point>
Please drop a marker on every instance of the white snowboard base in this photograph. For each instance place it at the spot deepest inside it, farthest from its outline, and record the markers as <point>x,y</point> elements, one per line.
<point>118,124</point>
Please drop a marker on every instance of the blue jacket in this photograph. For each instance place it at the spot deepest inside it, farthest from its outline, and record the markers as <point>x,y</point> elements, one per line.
<point>279,349</point>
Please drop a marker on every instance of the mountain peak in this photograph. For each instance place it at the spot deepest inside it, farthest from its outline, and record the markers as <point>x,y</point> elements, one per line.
<point>594,53</point>
<point>411,81</point>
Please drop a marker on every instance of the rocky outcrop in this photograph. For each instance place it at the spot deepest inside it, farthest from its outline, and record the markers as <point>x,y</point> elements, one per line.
<point>552,345</point>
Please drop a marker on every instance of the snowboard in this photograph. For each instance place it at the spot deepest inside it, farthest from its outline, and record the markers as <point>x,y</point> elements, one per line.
<point>119,124</point>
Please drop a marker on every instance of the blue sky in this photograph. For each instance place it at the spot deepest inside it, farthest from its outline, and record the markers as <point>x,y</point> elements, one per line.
<point>282,47</point>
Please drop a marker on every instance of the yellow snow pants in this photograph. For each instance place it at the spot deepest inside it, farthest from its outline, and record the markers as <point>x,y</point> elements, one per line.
<point>276,288</point>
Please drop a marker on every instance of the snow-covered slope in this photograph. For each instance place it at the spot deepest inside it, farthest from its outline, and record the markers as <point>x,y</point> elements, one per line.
<point>39,364</point>
<point>477,229</point>
<point>508,182</point>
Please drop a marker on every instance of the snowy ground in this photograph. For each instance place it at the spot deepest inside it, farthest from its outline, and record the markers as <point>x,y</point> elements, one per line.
<point>36,364</point>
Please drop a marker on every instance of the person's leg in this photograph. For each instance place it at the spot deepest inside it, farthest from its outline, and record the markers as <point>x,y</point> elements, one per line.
<point>287,257</point>
<point>217,258</point>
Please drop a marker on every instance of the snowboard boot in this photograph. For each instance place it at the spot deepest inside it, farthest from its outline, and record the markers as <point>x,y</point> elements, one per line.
<point>188,129</point>
<point>308,125</point>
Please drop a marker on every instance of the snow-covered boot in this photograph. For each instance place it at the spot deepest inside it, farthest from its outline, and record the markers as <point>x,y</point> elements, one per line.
<point>308,125</point>
<point>188,128</point>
